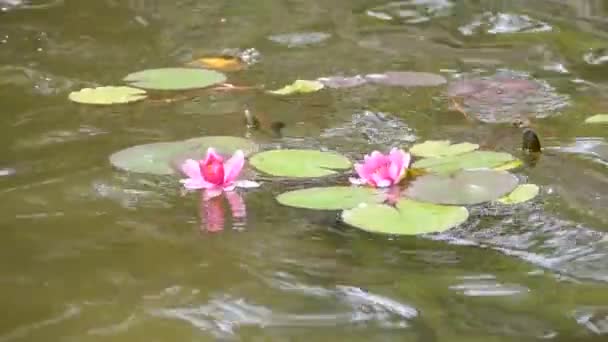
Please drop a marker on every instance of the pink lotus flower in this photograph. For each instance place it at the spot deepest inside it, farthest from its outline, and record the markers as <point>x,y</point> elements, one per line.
<point>215,175</point>
<point>380,170</point>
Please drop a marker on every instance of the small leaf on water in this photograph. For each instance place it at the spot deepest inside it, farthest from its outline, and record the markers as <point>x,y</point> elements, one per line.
<point>465,161</point>
<point>598,118</point>
<point>408,217</point>
<point>224,63</point>
<point>175,78</point>
<point>299,87</point>
<point>407,79</point>
<point>522,193</point>
<point>299,163</point>
<point>330,198</point>
<point>159,158</point>
<point>462,188</point>
<point>441,148</point>
<point>107,95</point>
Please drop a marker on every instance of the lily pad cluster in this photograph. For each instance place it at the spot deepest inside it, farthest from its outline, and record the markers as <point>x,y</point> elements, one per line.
<point>443,180</point>
<point>453,176</point>
<point>139,83</point>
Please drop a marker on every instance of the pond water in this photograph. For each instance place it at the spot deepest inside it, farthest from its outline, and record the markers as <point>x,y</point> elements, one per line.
<point>91,253</point>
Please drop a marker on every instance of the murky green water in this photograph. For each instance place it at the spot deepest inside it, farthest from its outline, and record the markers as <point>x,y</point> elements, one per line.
<point>94,254</point>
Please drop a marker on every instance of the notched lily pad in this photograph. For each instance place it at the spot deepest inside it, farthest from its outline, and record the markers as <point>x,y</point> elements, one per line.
<point>107,95</point>
<point>465,161</point>
<point>522,193</point>
<point>462,188</point>
<point>408,217</point>
<point>407,79</point>
<point>299,163</point>
<point>159,158</point>
<point>441,148</point>
<point>330,198</point>
<point>596,119</point>
<point>175,78</point>
<point>299,87</point>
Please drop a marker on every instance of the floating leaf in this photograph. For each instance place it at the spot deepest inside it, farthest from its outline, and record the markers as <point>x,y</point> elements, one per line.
<point>299,163</point>
<point>407,79</point>
<point>514,164</point>
<point>224,63</point>
<point>408,217</point>
<point>598,118</point>
<point>299,39</point>
<point>299,87</point>
<point>465,161</point>
<point>330,198</point>
<point>441,148</point>
<point>157,158</point>
<point>175,78</point>
<point>522,193</point>
<point>342,81</point>
<point>463,187</point>
<point>107,95</point>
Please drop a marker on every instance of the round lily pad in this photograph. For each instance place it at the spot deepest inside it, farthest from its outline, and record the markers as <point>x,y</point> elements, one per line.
<point>522,193</point>
<point>107,95</point>
<point>598,118</point>
<point>408,217</point>
<point>463,187</point>
<point>299,163</point>
<point>330,198</point>
<point>175,78</point>
<point>158,158</point>
<point>441,148</point>
<point>470,160</point>
<point>407,79</point>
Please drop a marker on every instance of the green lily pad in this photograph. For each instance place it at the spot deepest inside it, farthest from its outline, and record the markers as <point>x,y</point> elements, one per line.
<point>175,78</point>
<point>159,158</point>
<point>299,87</point>
<point>598,118</point>
<point>514,164</point>
<point>107,95</point>
<point>408,217</point>
<point>330,198</point>
<point>522,193</point>
<point>441,148</point>
<point>465,161</point>
<point>299,163</point>
<point>463,187</point>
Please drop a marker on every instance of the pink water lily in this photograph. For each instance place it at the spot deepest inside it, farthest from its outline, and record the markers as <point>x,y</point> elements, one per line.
<point>380,170</point>
<point>215,175</point>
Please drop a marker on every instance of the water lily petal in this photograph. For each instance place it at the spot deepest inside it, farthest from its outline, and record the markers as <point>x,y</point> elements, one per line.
<point>212,156</point>
<point>381,182</point>
<point>246,184</point>
<point>191,168</point>
<point>399,163</point>
<point>233,167</point>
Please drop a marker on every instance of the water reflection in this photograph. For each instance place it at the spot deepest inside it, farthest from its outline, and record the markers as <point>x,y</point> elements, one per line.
<point>212,213</point>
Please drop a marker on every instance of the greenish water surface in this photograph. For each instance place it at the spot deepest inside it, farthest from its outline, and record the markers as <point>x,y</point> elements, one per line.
<point>90,253</point>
